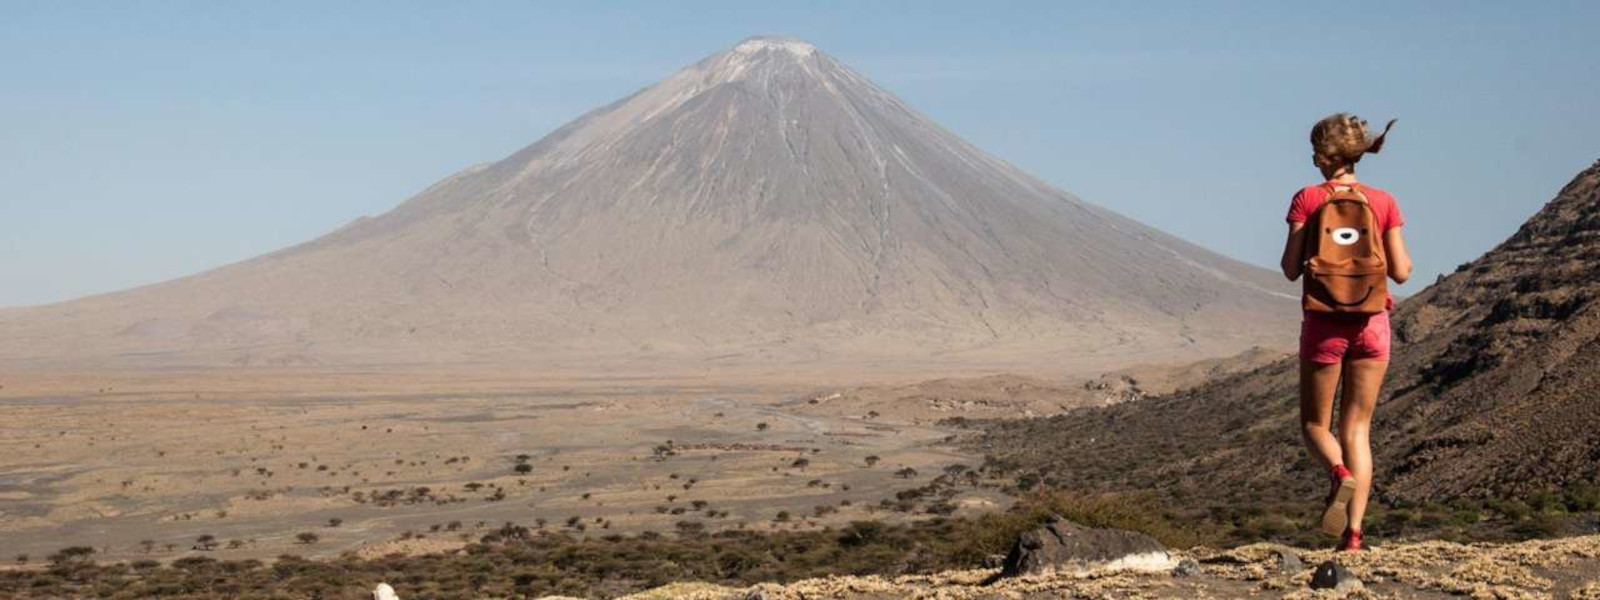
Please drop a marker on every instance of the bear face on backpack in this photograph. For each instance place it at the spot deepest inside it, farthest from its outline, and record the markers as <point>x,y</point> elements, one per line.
<point>1345,268</point>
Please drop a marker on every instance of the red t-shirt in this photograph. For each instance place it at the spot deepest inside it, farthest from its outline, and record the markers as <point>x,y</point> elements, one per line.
<point>1311,197</point>
<point>1384,208</point>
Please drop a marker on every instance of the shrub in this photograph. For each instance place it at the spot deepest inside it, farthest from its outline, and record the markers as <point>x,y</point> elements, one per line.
<point>72,554</point>
<point>1541,525</point>
<point>1582,497</point>
<point>1547,502</point>
<point>1512,509</point>
<point>690,528</point>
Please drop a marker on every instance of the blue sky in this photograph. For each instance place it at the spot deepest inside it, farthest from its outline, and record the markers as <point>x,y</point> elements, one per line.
<point>141,141</point>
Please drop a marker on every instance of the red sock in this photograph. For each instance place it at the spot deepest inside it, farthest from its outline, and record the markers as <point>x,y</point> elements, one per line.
<point>1339,473</point>
<point>1351,541</point>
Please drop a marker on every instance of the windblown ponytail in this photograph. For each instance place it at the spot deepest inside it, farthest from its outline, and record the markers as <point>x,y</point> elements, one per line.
<point>1341,140</point>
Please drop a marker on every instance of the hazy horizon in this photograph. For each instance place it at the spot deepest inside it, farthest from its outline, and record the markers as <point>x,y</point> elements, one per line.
<point>149,143</point>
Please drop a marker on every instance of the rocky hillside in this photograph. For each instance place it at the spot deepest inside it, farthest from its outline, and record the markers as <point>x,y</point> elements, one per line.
<point>1494,391</point>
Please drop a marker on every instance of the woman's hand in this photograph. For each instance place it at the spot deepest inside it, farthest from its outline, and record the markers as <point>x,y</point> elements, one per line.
<point>1394,245</point>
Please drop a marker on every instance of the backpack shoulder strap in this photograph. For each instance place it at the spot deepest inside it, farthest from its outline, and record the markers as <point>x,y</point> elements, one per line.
<point>1351,191</point>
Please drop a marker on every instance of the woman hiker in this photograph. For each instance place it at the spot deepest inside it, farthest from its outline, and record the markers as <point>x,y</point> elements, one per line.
<point>1345,239</point>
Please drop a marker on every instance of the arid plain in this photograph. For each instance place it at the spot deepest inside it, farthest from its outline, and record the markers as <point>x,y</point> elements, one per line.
<point>112,461</point>
<point>148,464</point>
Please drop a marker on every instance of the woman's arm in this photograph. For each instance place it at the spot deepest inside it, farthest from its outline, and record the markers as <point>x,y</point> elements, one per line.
<point>1394,244</point>
<point>1294,251</point>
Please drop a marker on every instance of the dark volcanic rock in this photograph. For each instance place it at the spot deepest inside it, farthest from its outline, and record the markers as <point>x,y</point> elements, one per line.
<point>1187,567</point>
<point>1061,545</point>
<point>1333,576</point>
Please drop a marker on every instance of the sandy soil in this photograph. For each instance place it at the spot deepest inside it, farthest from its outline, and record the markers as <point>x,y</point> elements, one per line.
<point>142,464</point>
<point>253,458</point>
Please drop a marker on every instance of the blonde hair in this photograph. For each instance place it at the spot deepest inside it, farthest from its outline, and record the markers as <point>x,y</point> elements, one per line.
<point>1340,140</point>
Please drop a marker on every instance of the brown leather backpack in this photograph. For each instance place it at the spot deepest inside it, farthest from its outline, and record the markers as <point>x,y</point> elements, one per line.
<point>1346,270</point>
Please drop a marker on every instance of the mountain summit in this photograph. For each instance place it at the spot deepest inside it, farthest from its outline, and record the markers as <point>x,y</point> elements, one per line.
<point>766,205</point>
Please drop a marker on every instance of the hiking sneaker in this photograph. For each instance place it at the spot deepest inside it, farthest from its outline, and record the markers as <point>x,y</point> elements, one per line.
<point>1350,542</point>
<point>1336,517</point>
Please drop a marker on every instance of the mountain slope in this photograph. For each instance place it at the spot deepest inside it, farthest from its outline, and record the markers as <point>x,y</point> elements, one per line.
<point>766,205</point>
<point>1494,390</point>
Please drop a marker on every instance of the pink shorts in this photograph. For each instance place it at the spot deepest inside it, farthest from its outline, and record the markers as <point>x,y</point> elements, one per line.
<point>1332,339</point>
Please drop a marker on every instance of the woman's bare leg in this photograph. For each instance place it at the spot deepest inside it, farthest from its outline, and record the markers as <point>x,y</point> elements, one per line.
<point>1362,378</point>
<point>1317,384</point>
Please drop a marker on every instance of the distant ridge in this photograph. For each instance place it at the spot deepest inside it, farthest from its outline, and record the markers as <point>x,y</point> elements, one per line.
<point>765,206</point>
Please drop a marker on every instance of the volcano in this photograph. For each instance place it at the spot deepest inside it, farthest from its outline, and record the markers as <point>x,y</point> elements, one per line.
<point>764,206</point>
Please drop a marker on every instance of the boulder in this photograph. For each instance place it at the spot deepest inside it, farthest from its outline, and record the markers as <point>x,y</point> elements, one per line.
<point>762,591</point>
<point>1063,546</point>
<point>1187,567</point>
<point>1288,562</point>
<point>1331,575</point>
<point>384,592</point>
